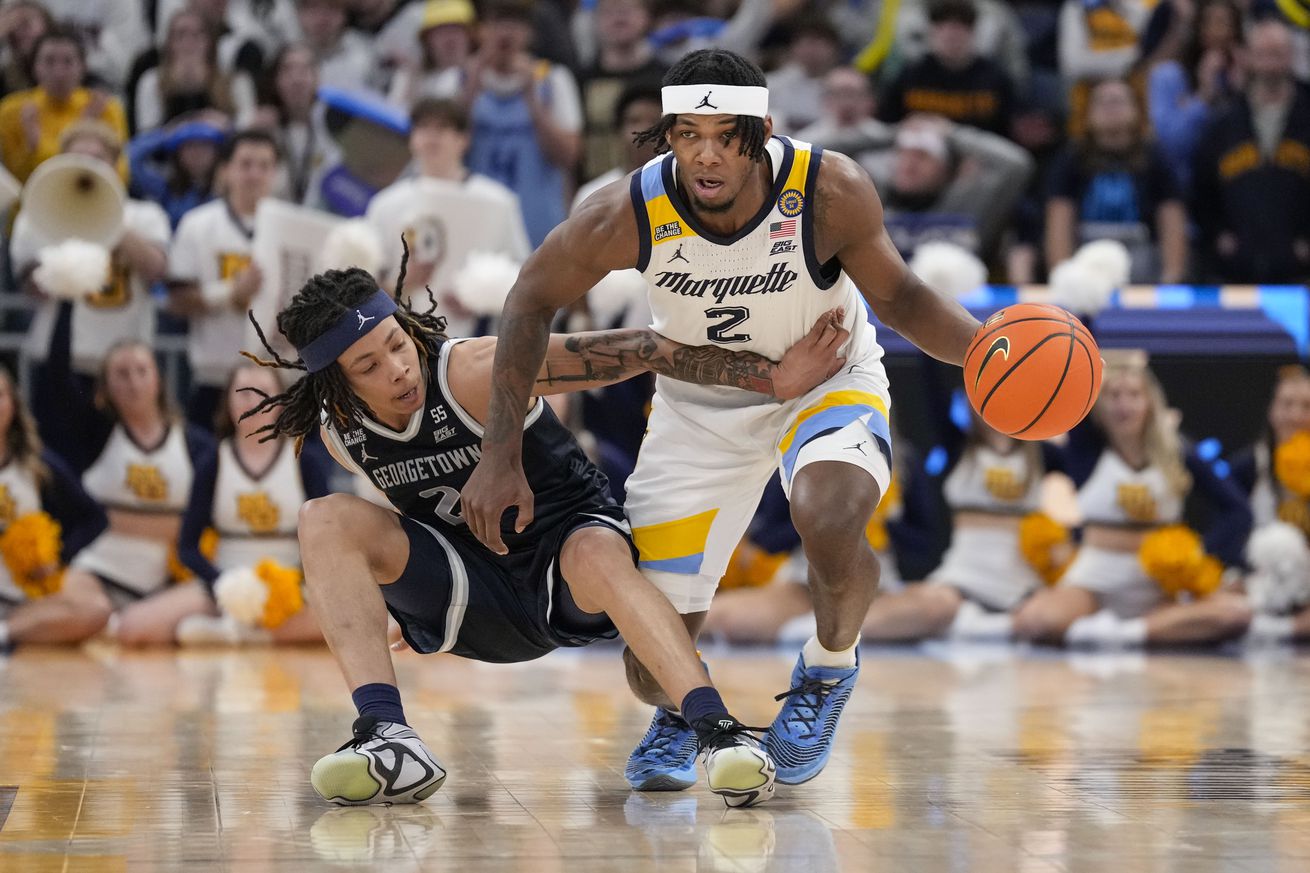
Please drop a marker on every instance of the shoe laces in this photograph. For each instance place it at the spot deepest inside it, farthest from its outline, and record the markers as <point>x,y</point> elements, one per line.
<point>726,732</point>
<point>659,740</point>
<point>809,698</point>
<point>364,730</point>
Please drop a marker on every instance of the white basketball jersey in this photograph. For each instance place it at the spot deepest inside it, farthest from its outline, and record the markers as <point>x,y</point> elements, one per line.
<point>142,479</point>
<point>122,310</point>
<point>1117,494</point>
<point>444,222</point>
<point>255,515</point>
<point>212,244</point>
<point>759,290</point>
<point>986,480</point>
<point>19,495</point>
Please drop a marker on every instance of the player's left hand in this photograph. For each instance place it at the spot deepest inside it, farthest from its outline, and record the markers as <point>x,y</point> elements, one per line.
<point>814,359</point>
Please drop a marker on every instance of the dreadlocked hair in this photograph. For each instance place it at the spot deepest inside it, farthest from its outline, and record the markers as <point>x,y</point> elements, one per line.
<point>712,67</point>
<point>326,394</point>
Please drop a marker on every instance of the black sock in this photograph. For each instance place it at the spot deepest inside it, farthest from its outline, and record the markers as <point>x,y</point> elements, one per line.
<point>380,700</point>
<point>703,709</point>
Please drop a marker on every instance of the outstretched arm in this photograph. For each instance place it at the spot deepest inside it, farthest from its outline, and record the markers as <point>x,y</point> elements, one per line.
<point>850,227</point>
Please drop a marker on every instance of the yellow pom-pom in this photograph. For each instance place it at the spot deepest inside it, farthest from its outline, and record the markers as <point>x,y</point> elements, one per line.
<point>1208,578</point>
<point>1292,463</point>
<point>178,571</point>
<point>30,548</point>
<point>285,598</point>
<point>876,531</point>
<point>751,567</point>
<point>1046,545</point>
<point>1173,556</point>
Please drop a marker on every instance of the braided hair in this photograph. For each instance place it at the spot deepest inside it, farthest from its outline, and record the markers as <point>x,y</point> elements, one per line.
<point>326,394</point>
<point>712,67</point>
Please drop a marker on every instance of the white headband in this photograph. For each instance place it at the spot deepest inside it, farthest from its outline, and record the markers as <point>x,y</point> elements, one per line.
<point>715,100</point>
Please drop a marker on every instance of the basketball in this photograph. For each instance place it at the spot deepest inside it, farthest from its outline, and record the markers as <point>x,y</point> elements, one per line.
<point>1032,371</point>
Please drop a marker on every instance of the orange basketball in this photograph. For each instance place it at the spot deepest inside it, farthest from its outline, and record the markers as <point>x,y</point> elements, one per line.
<point>1032,371</point>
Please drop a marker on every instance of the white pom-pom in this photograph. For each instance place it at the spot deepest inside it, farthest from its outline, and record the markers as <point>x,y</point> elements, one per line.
<point>72,269</point>
<point>1108,260</point>
<point>241,594</point>
<point>1280,558</point>
<point>611,296</point>
<point>352,243</point>
<point>1078,289</point>
<point>949,268</point>
<point>483,283</point>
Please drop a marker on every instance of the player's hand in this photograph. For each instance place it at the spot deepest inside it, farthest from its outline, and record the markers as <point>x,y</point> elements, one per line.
<point>493,488</point>
<point>814,359</point>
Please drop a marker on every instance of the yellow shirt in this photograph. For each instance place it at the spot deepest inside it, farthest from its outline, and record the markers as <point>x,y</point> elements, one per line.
<point>16,152</point>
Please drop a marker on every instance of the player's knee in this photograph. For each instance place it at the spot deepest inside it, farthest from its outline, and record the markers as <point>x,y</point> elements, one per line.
<point>326,518</point>
<point>832,515</point>
<point>589,560</point>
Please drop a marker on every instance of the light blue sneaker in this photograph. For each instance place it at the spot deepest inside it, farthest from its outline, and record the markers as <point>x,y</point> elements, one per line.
<point>800,738</point>
<point>665,759</point>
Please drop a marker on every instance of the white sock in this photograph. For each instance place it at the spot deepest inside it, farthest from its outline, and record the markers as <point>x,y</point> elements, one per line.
<point>972,622</point>
<point>1266,628</point>
<point>816,655</point>
<point>1104,628</point>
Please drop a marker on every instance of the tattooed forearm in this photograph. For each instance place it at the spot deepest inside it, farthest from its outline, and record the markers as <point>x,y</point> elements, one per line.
<point>523,339</point>
<point>611,356</point>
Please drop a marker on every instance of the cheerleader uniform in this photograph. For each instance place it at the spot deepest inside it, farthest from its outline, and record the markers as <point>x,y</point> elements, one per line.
<point>254,514</point>
<point>140,479</point>
<point>62,497</point>
<point>1253,471</point>
<point>1113,494</point>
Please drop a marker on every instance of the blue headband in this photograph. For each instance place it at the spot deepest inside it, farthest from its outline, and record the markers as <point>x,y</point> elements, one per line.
<point>352,326</point>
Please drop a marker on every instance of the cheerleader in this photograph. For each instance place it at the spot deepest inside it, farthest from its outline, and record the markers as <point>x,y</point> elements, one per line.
<point>994,482</point>
<point>250,495</point>
<point>1133,474</point>
<point>35,480</point>
<point>1253,468</point>
<point>142,478</point>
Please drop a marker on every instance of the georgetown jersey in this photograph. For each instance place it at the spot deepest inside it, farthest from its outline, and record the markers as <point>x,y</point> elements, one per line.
<point>1116,494</point>
<point>986,480</point>
<point>423,468</point>
<point>759,290</point>
<point>142,479</point>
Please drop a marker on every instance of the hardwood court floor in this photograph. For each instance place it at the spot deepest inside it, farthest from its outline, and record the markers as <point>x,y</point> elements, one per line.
<point>966,761</point>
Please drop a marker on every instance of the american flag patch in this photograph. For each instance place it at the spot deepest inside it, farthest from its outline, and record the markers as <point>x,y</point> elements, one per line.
<point>779,229</point>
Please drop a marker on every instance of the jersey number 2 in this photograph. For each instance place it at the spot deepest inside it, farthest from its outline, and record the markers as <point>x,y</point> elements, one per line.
<point>729,317</point>
<point>447,508</point>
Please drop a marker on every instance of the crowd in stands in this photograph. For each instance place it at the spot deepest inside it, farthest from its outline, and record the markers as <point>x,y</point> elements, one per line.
<point>1015,131</point>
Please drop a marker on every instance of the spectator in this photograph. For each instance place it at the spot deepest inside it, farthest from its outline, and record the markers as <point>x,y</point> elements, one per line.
<point>175,166</point>
<point>847,124</point>
<point>682,27</point>
<point>295,116</point>
<point>796,88</point>
<point>1038,126</point>
<point>1098,40</point>
<point>345,58</point>
<point>624,56</point>
<point>998,34</point>
<point>952,80</point>
<point>445,40</point>
<point>1184,94</point>
<point>188,78</point>
<point>32,121</point>
<point>212,279</point>
<point>113,32</point>
<point>949,182</point>
<point>21,25</point>
<point>446,213</point>
<point>250,30</point>
<point>1252,175</point>
<point>639,108</point>
<point>1115,184</point>
<point>526,117</point>
<point>68,340</point>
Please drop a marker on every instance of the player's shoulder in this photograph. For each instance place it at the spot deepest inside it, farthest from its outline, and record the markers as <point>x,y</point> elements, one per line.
<point>843,193</point>
<point>607,213</point>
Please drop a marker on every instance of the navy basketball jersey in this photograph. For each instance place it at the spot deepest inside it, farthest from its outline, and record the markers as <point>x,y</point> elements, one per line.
<point>423,468</point>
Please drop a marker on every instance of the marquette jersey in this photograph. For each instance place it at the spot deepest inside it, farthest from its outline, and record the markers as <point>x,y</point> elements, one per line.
<point>423,469</point>
<point>255,514</point>
<point>759,290</point>
<point>142,478</point>
<point>985,480</point>
<point>1116,494</point>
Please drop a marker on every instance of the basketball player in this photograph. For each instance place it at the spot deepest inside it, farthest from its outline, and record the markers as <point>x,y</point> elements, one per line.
<point>744,238</point>
<point>402,405</point>
<point>212,279</point>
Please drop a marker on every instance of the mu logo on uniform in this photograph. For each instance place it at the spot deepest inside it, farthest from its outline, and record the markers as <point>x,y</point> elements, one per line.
<point>258,511</point>
<point>8,507</point>
<point>146,482</point>
<point>1003,484</point>
<point>1137,501</point>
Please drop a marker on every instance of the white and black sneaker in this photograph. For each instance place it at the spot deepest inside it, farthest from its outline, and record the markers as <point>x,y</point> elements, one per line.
<point>385,763</point>
<point>737,767</point>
